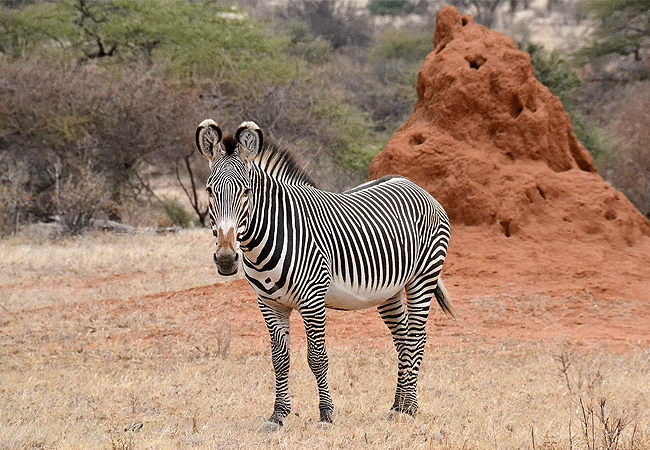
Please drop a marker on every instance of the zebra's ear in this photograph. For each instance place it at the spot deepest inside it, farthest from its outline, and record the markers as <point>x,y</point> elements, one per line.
<point>249,136</point>
<point>208,135</point>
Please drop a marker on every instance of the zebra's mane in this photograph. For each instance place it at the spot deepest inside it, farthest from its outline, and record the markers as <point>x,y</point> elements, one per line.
<point>280,163</point>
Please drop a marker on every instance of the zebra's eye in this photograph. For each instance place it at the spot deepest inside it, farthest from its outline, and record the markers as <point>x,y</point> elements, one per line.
<point>208,190</point>
<point>246,192</point>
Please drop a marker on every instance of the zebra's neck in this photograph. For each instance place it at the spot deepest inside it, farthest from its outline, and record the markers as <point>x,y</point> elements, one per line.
<point>267,209</point>
<point>280,165</point>
<point>274,172</point>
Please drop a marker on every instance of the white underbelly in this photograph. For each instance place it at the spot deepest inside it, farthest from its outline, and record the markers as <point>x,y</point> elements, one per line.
<point>341,295</point>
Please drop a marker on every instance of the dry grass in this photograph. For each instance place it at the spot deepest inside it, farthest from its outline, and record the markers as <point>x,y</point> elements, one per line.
<point>127,374</point>
<point>102,265</point>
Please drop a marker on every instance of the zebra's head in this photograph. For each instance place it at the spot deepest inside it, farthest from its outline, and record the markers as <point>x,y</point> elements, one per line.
<point>228,186</point>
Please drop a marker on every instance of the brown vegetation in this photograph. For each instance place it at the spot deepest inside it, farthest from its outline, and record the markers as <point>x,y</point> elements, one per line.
<point>78,130</point>
<point>626,117</point>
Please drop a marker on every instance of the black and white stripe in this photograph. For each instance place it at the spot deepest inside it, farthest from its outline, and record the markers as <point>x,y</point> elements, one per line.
<point>381,244</point>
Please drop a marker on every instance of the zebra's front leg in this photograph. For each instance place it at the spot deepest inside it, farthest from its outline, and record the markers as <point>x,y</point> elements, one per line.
<point>277,322</point>
<point>313,316</point>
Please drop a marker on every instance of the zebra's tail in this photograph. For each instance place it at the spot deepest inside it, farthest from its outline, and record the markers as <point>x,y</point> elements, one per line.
<point>442,296</point>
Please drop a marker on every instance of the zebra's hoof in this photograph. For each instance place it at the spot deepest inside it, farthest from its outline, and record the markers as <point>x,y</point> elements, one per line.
<point>325,426</point>
<point>399,416</point>
<point>270,427</point>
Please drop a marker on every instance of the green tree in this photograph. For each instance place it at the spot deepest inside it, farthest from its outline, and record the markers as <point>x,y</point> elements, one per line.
<point>624,26</point>
<point>189,39</point>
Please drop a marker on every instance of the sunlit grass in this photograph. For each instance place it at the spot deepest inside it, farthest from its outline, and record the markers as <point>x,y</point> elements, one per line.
<point>470,398</point>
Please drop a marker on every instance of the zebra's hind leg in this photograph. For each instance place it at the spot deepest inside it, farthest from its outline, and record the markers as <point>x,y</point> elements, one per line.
<point>419,293</point>
<point>277,322</point>
<point>394,315</point>
<point>313,315</point>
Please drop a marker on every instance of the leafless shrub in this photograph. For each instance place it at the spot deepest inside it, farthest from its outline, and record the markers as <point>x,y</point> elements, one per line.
<point>602,424</point>
<point>628,115</point>
<point>14,196</point>
<point>59,123</point>
<point>576,378</point>
<point>199,205</point>
<point>80,198</point>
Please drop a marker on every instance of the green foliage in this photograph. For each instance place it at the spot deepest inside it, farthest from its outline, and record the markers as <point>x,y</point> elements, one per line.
<point>305,46</point>
<point>563,81</point>
<point>177,214</point>
<point>23,30</point>
<point>591,136</point>
<point>189,39</point>
<point>353,142</point>
<point>554,72</point>
<point>623,29</point>
<point>390,7</point>
<point>401,44</point>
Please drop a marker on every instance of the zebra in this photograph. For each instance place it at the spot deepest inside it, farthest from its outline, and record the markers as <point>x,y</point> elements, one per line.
<point>307,249</point>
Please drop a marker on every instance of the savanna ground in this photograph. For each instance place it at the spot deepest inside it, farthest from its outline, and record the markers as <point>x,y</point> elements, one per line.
<point>132,341</point>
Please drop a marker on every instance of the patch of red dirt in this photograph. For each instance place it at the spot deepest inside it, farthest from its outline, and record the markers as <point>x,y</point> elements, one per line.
<point>503,293</point>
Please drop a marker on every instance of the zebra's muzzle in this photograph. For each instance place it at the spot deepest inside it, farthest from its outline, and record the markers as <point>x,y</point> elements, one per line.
<point>227,262</point>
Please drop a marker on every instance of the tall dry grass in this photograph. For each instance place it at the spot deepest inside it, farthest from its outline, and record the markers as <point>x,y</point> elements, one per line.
<point>470,398</point>
<point>85,362</point>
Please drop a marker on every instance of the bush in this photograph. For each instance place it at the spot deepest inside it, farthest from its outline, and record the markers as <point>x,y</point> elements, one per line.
<point>554,72</point>
<point>177,214</point>
<point>80,198</point>
<point>306,47</point>
<point>339,23</point>
<point>629,167</point>
<point>353,144</point>
<point>409,46</point>
<point>15,198</point>
<point>390,7</point>
<point>56,123</point>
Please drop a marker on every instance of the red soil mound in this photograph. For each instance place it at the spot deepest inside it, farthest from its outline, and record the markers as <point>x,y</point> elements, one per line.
<point>496,148</point>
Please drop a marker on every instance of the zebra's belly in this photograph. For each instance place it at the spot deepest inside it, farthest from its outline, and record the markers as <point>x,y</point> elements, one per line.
<point>345,297</point>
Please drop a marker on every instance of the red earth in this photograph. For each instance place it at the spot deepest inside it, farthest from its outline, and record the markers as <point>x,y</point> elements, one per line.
<point>502,292</point>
